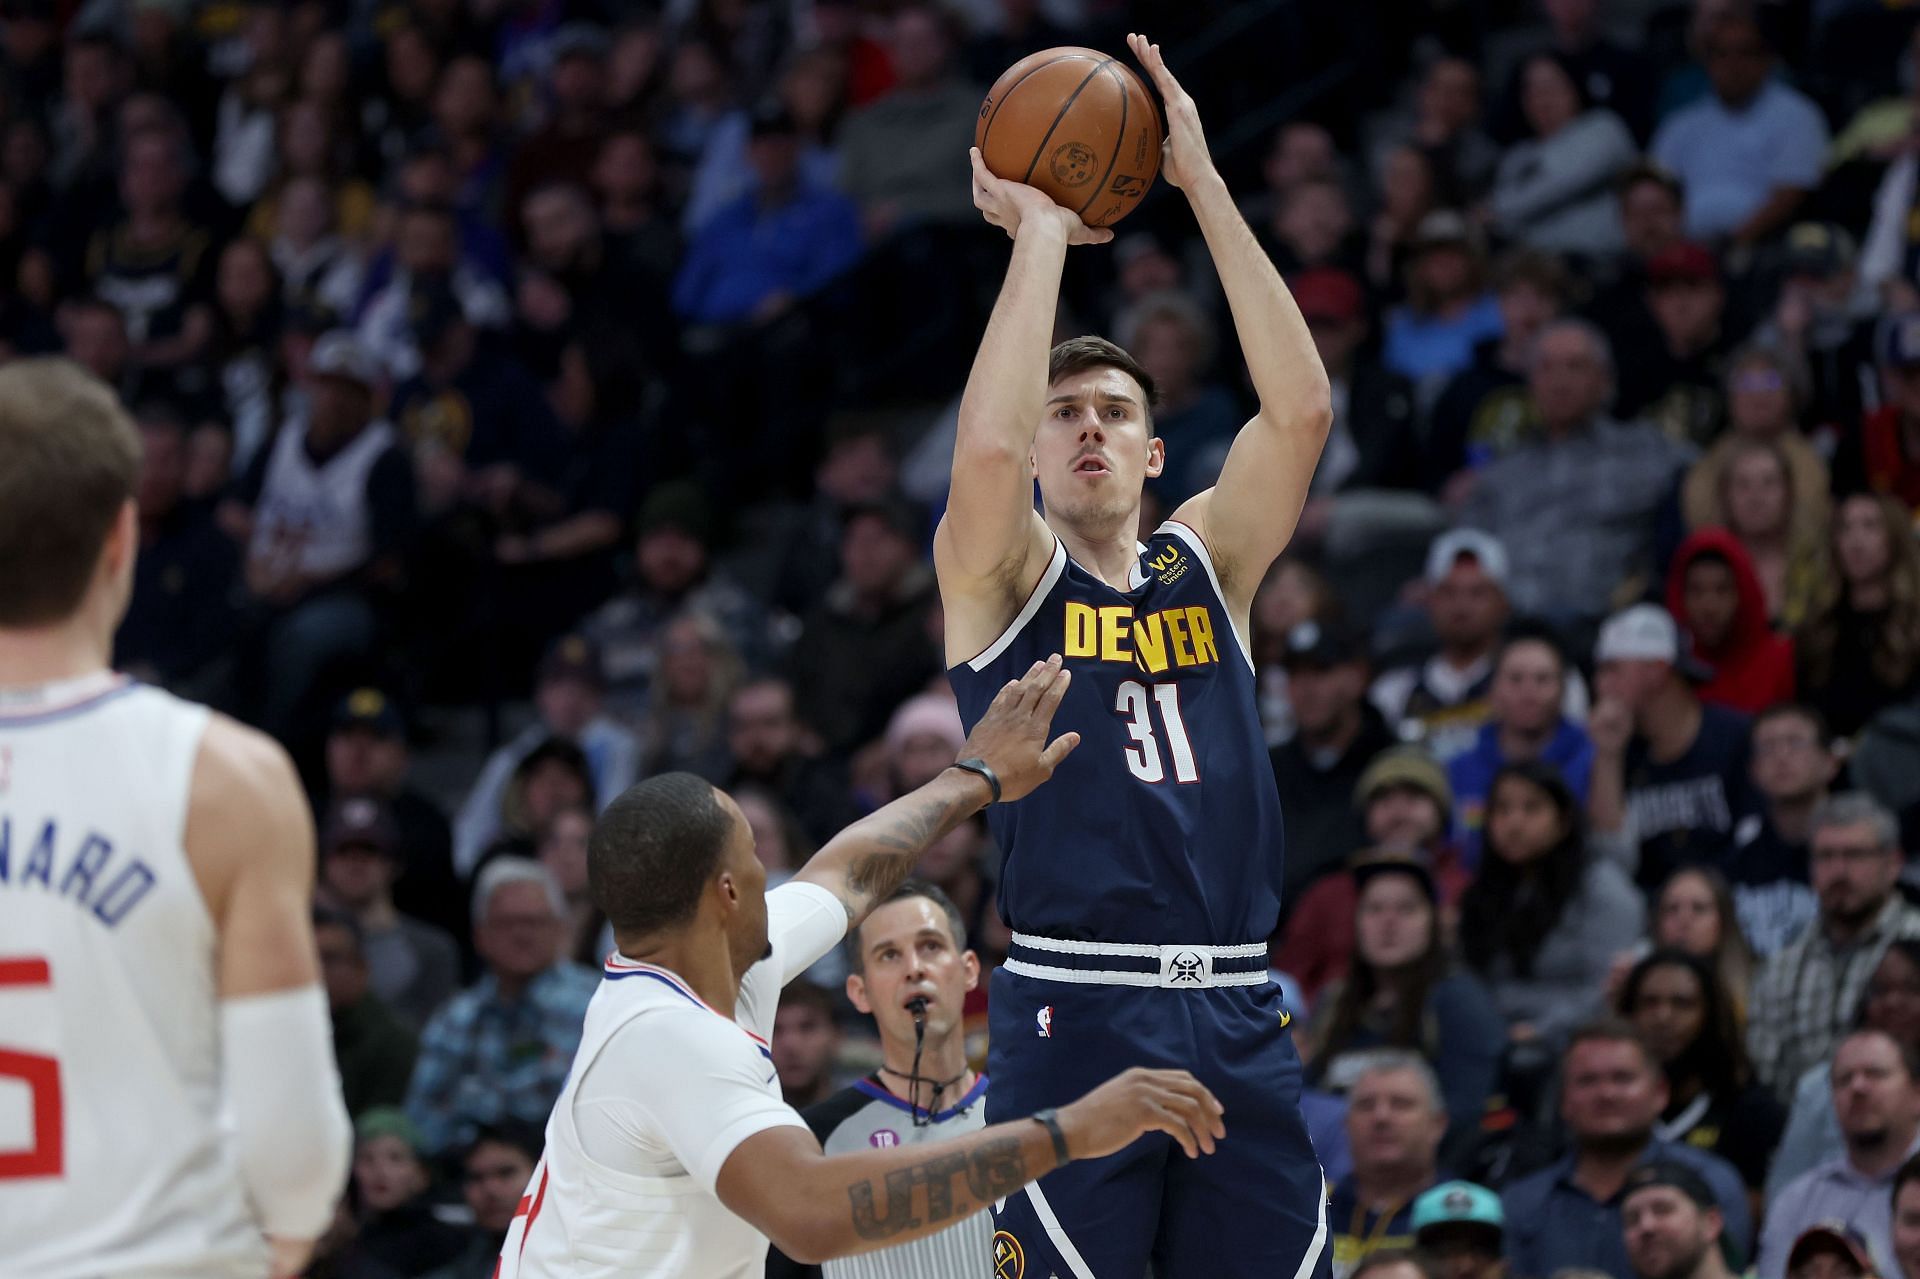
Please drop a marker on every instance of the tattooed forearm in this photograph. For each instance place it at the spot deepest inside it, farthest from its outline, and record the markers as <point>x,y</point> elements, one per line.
<point>882,849</point>
<point>993,1170</point>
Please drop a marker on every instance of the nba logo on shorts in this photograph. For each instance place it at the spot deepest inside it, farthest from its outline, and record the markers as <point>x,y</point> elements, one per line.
<point>885,1139</point>
<point>1044,1020</point>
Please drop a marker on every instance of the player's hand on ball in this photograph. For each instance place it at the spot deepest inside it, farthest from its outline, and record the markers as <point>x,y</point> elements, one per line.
<point>1012,736</point>
<point>1185,159</point>
<point>1140,1101</point>
<point>1008,205</point>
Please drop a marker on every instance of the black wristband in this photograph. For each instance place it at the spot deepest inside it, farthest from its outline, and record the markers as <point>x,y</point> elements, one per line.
<point>979,768</point>
<point>1050,1120</point>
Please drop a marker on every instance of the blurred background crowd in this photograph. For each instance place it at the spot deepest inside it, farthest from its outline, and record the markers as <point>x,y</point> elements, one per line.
<point>541,394</point>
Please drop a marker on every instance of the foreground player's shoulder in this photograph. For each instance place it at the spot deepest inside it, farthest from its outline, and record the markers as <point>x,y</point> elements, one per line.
<point>245,812</point>
<point>982,592</point>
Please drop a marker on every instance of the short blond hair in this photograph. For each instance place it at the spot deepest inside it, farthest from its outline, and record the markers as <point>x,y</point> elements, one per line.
<point>69,461</point>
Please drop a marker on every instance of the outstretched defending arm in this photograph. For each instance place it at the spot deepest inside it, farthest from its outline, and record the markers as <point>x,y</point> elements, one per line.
<point>1247,518</point>
<point>990,533</point>
<point>864,863</point>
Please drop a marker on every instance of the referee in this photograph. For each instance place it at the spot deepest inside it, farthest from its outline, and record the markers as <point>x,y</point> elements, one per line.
<point>912,971</point>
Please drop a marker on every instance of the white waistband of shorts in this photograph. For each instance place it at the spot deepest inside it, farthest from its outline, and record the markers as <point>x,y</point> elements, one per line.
<point>1176,967</point>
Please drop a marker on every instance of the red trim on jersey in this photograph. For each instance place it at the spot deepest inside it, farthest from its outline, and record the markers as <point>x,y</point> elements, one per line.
<point>539,1198</point>
<point>25,972</point>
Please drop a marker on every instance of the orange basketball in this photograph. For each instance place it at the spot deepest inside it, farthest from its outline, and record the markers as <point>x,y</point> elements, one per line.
<point>1076,124</point>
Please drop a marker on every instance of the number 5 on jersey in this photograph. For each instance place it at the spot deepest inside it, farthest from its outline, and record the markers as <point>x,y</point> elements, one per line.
<point>42,1154</point>
<point>1137,703</point>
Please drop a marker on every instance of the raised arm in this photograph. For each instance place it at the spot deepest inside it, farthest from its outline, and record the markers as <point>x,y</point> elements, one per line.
<point>1247,518</point>
<point>990,533</point>
<point>817,1207</point>
<point>864,863</point>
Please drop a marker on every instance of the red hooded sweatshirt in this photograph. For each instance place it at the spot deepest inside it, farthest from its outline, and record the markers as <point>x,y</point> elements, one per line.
<point>1753,669</point>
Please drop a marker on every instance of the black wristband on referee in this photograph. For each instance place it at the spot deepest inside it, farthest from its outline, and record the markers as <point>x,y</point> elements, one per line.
<point>1050,1120</point>
<point>979,768</point>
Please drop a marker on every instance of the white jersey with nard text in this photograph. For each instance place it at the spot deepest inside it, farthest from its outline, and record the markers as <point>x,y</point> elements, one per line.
<point>663,1089</point>
<point>113,1158</point>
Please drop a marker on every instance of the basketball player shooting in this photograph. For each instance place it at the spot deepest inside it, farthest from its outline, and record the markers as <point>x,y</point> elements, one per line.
<point>168,1099</point>
<point>1143,883</point>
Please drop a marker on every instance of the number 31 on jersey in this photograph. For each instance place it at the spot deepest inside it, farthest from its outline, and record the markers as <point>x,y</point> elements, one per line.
<point>1137,702</point>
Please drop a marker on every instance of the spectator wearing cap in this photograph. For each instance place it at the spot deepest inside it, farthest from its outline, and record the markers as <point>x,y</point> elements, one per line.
<point>1460,1229</point>
<point>1442,701</point>
<point>1405,811</point>
<point>569,698</point>
<point>1337,734</point>
<point>771,750</point>
<point>181,620</point>
<point>328,511</point>
<point>1750,151</point>
<point>1879,454</point>
<point>1822,318</point>
<point>1526,720</point>
<point>1553,190</point>
<point>500,1049</point>
<point>1714,594</point>
<point>367,756</point>
<point>1807,992</point>
<point>495,1171</point>
<point>1484,412</point>
<point>1570,1213</point>
<point>1857,648</point>
<point>1905,1233</point>
<point>1876,1095</point>
<point>1175,340</point>
<point>1575,508</point>
<point>1448,311</point>
<point>1832,1250</point>
<point>1374,441</point>
<point>1674,377</point>
<point>772,248</point>
<point>1395,1120</point>
<point>412,966</point>
<point>1403,992</point>
<point>673,573</point>
<point>372,1047</point>
<point>1670,771</point>
<point>1544,919</point>
<point>1673,1223</point>
<point>865,648</point>
<point>393,1182</point>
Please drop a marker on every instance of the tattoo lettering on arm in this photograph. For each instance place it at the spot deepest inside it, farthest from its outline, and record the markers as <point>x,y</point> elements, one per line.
<point>992,1171</point>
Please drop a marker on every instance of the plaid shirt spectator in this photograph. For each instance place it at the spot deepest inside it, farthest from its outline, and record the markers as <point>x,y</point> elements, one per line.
<point>1808,993</point>
<point>484,1059</point>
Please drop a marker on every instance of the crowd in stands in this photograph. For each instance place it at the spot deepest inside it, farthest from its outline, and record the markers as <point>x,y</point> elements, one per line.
<point>571,383</point>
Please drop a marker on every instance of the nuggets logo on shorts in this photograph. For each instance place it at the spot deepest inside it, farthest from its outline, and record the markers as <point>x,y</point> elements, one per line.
<point>1009,1262</point>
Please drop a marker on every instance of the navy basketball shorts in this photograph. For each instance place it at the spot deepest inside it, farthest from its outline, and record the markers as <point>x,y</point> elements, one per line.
<point>1255,1209</point>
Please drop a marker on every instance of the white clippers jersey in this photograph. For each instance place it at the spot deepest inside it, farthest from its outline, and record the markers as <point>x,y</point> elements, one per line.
<point>113,1158</point>
<point>679,1088</point>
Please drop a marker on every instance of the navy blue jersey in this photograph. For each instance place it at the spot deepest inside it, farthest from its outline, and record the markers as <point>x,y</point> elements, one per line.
<point>1164,825</point>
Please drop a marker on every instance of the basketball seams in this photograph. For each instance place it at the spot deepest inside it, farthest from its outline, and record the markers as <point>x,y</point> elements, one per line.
<point>1065,107</point>
<point>987,128</point>
<point>1120,135</point>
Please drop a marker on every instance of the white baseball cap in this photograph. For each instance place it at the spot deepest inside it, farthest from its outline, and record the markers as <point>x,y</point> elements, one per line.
<point>339,354</point>
<point>1647,632</point>
<point>1485,549</point>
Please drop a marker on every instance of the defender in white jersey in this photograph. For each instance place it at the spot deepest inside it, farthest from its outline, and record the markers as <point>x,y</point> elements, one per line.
<point>670,1154</point>
<point>168,1101</point>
